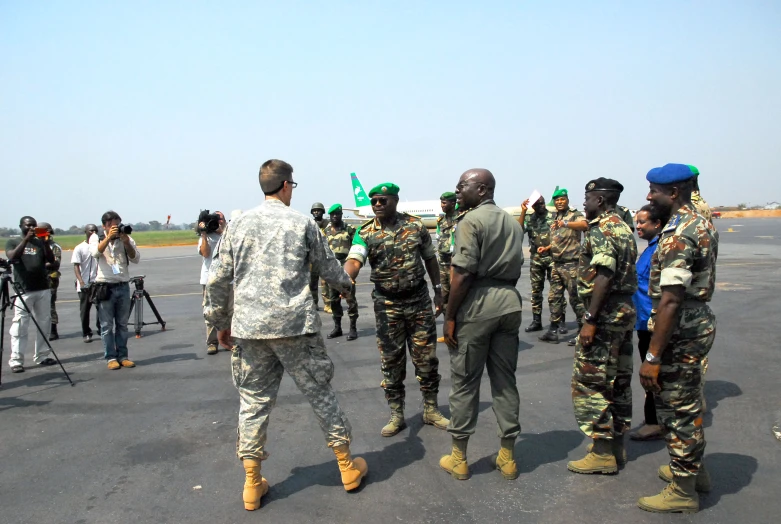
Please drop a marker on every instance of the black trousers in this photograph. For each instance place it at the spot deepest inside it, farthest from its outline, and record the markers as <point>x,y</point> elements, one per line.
<point>84,306</point>
<point>643,341</point>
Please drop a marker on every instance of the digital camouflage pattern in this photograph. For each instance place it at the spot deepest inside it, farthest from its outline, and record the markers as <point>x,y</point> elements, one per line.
<point>257,367</point>
<point>402,305</point>
<point>538,229</point>
<point>565,242</point>
<point>685,256</point>
<point>609,243</point>
<point>340,239</point>
<point>325,292</point>
<point>54,280</point>
<point>446,225</point>
<point>266,253</point>
<point>602,373</point>
<point>564,277</point>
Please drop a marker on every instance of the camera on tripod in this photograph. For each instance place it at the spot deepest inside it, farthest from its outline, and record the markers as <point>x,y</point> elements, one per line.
<point>211,222</point>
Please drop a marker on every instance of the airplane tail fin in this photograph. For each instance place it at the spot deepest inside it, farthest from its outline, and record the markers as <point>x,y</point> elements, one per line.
<point>551,204</point>
<point>361,200</point>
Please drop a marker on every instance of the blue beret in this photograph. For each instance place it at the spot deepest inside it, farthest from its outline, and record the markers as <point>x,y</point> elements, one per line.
<point>669,174</point>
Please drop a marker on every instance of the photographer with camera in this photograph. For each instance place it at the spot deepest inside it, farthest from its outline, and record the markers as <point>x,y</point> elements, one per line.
<point>86,269</point>
<point>114,251</point>
<point>32,260</point>
<point>54,278</point>
<point>210,229</point>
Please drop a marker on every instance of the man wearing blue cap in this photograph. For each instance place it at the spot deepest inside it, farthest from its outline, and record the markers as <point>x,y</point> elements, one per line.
<point>681,285</point>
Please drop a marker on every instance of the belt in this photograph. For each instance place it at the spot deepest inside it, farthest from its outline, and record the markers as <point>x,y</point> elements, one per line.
<point>407,293</point>
<point>111,284</point>
<point>689,303</point>
<point>493,282</point>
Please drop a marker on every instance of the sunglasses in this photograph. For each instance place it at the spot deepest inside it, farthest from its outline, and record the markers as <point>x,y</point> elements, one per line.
<point>379,200</point>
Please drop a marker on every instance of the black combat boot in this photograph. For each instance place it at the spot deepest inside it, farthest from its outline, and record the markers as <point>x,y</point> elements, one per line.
<point>563,325</point>
<point>536,324</point>
<point>353,333</point>
<point>551,335</point>
<point>337,331</point>
<point>53,335</point>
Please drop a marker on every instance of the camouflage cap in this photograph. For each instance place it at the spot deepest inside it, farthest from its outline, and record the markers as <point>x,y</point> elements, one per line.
<point>386,188</point>
<point>336,208</point>
<point>447,195</point>
<point>318,205</point>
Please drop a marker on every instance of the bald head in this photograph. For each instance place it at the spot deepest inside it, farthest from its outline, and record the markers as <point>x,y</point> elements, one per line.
<point>475,186</point>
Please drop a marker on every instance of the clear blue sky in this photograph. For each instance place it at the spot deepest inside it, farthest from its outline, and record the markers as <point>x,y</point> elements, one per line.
<point>153,108</point>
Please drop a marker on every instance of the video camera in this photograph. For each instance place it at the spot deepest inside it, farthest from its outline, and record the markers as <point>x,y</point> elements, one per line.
<point>210,220</point>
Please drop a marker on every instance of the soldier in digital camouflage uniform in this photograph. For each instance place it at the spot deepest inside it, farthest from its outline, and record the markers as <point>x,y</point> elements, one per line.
<point>318,212</point>
<point>538,227</point>
<point>54,278</point>
<point>267,253</point>
<point>683,278</point>
<point>400,251</point>
<point>445,226</point>
<point>602,371</point>
<point>340,238</point>
<point>568,225</point>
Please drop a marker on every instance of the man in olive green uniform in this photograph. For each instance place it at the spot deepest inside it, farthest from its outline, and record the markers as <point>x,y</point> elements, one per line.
<point>568,225</point>
<point>318,212</point>
<point>54,278</point>
<point>340,238</point>
<point>445,226</point>
<point>682,281</point>
<point>602,372</point>
<point>538,227</point>
<point>482,321</point>
<point>399,248</point>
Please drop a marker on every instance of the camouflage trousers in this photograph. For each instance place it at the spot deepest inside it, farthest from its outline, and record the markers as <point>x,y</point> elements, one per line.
<point>54,283</point>
<point>314,278</point>
<point>402,323</point>
<point>565,276</point>
<point>541,268</point>
<point>679,404</point>
<point>601,383</point>
<point>444,276</point>
<point>335,299</point>
<point>257,367</point>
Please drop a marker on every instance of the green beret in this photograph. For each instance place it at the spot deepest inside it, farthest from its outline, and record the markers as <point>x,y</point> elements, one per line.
<point>447,195</point>
<point>694,170</point>
<point>387,188</point>
<point>560,193</point>
<point>335,208</point>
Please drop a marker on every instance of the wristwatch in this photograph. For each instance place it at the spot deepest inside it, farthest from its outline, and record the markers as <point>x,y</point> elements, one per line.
<point>589,318</point>
<point>652,359</point>
<point>438,286</point>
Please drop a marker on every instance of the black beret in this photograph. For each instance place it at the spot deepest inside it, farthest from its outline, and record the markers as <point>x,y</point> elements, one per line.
<point>604,184</point>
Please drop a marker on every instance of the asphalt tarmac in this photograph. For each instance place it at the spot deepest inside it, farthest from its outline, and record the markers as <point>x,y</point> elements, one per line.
<point>157,443</point>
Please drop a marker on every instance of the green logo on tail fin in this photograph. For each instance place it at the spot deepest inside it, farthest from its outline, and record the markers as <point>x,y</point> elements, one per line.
<point>361,199</point>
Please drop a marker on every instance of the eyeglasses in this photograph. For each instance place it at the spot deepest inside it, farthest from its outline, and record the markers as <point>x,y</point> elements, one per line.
<point>292,184</point>
<point>379,200</point>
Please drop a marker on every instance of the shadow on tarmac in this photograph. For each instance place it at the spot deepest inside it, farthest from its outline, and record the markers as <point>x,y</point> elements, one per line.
<point>538,449</point>
<point>176,346</point>
<point>162,359</point>
<point>730,473</point>
<point>716,391</point>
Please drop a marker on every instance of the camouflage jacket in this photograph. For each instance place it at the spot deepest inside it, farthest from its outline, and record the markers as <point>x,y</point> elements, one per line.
<point>686,256</point>
<point>610,243</point>
<point>395,252</point>
<point>445,228</point>
<point>57,251</point>
<point>701,206</point>
<point>322,223</point>
<point>339,239</point>
<point>565,242</point>
<point>538,229</point>
<point>626,216</point>
<point>266,253</point>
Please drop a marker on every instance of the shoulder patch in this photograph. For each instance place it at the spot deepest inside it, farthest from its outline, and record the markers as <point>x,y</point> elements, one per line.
<point>672,224</point>
<point>367,223</point>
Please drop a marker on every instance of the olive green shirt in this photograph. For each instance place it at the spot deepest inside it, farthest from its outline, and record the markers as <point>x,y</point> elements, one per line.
<point>489,244</point>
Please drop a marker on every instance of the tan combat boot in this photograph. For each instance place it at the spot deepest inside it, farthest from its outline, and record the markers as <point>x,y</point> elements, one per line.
<point>255,486</point>
<point>431,414</point>
<point>396,422</point>
<point>353,469</point>
<point>455,463</point>
<point>618,450</point>
<point>504,459</point>
<point>679,496</point>
<point>599,459</point>
<point>703,484</point>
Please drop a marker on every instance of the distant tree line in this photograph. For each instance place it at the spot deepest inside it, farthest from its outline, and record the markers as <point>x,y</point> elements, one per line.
<point>152,225</point>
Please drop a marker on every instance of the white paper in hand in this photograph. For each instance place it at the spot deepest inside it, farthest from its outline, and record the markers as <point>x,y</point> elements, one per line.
<point>534,197</point>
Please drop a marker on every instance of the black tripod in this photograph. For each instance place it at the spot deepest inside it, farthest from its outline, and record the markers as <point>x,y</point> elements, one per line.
<point>137,302</point>
<point>5,303</point>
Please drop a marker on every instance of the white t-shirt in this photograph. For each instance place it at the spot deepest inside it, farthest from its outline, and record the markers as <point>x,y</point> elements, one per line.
<point>88,266</point>
<point>213,239</point>
<point>115,253</point>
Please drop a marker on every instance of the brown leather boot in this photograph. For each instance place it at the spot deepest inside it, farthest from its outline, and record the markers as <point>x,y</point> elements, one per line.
<point>255,486</point>
<point>353,469</point>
